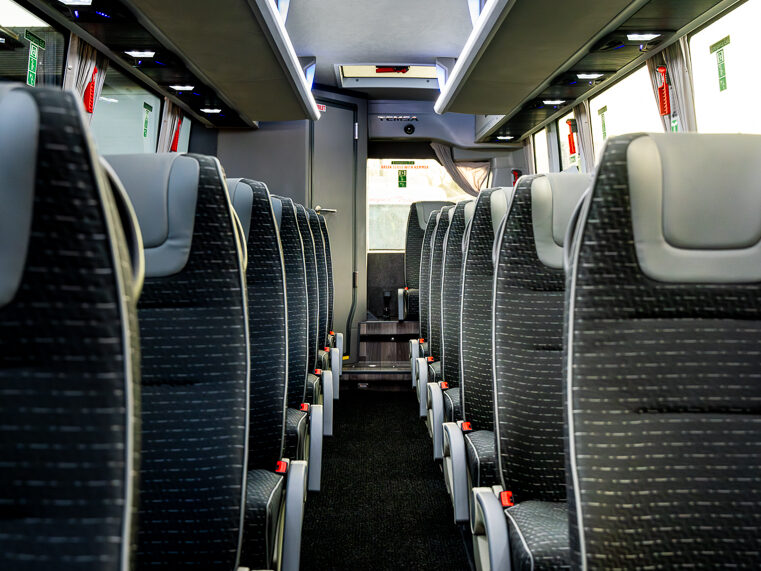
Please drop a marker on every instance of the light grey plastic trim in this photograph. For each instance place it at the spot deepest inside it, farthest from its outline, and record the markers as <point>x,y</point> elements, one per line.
<point>315,447</point>
<point>400,304</point>
<point>436,419</point>
<point>491,543</point>
<point>456,470</point>
<point>414,355</point>
<point>326,381</point>
<point>340,347</point>
<point>335,371</point>
<point>295,498</point>
<point>422,382</point>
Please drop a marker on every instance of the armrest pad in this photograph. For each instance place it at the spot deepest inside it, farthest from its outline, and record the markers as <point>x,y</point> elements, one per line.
<point>456,470</point>
<point>315,447</point>
<point>436,419</point>
<point>489,527</point>
<point>335,370</point>
<point>422,382</point>
<point>326,382</point>
<point>295,496</point>
<point>414,345</point>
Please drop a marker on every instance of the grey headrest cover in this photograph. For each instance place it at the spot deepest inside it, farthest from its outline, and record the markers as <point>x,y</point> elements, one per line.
<point>424,210</point>
<point>553,200</point>
<point>242,198</point>
<point>163,189</point>
<point>277,209</point>
<point>696,206</point>
<point>498,204</point>
<point>19,128</point>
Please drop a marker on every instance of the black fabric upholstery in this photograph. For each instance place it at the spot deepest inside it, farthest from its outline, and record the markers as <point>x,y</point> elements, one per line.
<point>298,305</point>
<point>296,424</point>
<point>413,245</point>
<point>452,405</point>
<point>67,341</point>
<point>313,294</point>
<point>264,493</point>
<point>329,262</point>
<point>434,372</point>
<point>413,304</point>
<point>195,390</point>
<point>528,342</point>
<point>451,295</point>
<point>313,389</point>
<point>322,279</point>
<point>538,534</point>
<point>481,456</point>
<point>476,349</point>
<point>425,276</point>
<point>437,270</point>
<point>267,322</point>
<point>665,434</point>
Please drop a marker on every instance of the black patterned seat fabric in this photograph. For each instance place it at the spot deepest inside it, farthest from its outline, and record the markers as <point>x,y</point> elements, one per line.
<point>322,279</point>
<point>481,457</point>
<point>437,274</point>
<point>267,319</point>
<point>452,405</point>
<point>310,261</point>
<point>329,264</point>
<point>539,535</point>
<point>195,363</point>
<point>665,369</point>
<point>69,363</point>
<point>476,375</point>
<point>425,276</point>
<point>528,344</point>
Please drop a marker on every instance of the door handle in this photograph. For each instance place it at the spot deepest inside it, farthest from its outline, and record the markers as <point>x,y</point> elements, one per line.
<point>320,210</point>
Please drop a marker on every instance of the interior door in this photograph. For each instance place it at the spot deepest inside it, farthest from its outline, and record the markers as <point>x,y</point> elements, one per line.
<point>334,167</point>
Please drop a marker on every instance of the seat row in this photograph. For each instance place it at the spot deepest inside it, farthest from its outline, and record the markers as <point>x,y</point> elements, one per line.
<point>589,365</point>
<point>167,369</point>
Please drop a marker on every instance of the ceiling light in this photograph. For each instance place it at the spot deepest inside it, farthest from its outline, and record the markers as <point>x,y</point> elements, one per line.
<point>642,37</point>
<point>211,111</point>
<point>505,137</point>
<point>182,87</point>
<point>553,101</point>
<point>109,99</point>
<point>76,2</point>
<point>589,75</point>
<point>140,53</point>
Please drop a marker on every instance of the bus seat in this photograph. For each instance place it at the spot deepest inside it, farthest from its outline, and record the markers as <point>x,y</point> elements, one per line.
<point>195,362</point>
<point>70,275</point>
<point>331,355</point>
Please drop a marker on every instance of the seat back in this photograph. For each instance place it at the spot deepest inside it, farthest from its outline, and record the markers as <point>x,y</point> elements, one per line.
<point>437,270</point>
<point>267,322</point>
<point>313,293</point>
<point>322,279</point>
<point>476,349</point>
<point>528,335</point>
<point>69,357</point>
<point>451,290</point>
<point>195,362</point>
<point>425,274</point>
<point>298,302</point>
<point>663,367</point>
<point>329,262</point>
<point>413,241</point>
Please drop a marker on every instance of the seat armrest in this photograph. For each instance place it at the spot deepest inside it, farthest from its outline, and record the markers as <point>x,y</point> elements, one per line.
<point>401,304</point>
<point>456,470</point>
<point>315,447</point>
<point>422,383</point>
<point>340,347</point>
<point>326,383</point>
<point>414,354</point>
<point>491,547</point>
<point>335,370</point>
<point>436,419</point>
<point>295,497</point>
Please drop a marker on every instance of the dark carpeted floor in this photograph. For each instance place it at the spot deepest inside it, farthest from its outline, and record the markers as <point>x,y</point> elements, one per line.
<point>383,503</point>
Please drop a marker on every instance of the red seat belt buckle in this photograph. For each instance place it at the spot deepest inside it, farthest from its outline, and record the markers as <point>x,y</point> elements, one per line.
<point>430,359</point>
<point>318,372</point>
<point>421,340</point>
<point>332,332</point>
<point>406,289</point>
<point>304,407</point>
<point>466,427</point>
<point>327,349</point>
<point>506,499</point>
<point>444,385</point>
<point>282,467</point>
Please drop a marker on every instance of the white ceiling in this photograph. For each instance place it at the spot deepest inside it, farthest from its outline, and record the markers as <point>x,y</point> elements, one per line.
<point>377,31</point>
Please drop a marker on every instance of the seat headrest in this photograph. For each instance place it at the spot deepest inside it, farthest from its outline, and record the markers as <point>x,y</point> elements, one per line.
<point>277,210</point>
<point>554,198</point>
<point>696,206</point>
<point>19,128</point>
<point>470,209</point>
<point>163,189</point>
<point>242,198</point>
<point>425,208</point>
<point>498,203</point>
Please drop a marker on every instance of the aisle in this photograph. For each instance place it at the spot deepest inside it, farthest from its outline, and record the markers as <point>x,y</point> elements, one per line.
<point>383,503</point>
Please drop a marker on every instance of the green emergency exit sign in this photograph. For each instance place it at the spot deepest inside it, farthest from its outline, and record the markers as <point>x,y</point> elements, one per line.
<point>718,49</point>
<point>36,44</point>
<point>402,178</point>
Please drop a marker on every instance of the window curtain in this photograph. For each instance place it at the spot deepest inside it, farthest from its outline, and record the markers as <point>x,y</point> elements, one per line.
<point>469,176</point>
<point>171,121</point>
<point>676,58</point>
<point>82,61</point>
<point>528,154</point>
<point>584,134</point>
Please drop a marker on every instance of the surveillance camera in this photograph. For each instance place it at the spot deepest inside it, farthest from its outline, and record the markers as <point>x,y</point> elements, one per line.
<point>409,128</point>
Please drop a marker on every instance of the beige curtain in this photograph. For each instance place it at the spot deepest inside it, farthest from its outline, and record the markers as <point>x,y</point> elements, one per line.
<point>676,58</point>
<point>584,130</point>
<point>528,155</point>
<point>469,176</point>
<point>171,119</point>
<point>81,61</point>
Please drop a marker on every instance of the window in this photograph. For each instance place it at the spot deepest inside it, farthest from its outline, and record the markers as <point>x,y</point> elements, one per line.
<point>569,142</point>
<point>31,51</point>
<point>725,58</point>
<point>127,116</point>
<point>541,152</point>
<point>627,107</point>
<point>392,185</point>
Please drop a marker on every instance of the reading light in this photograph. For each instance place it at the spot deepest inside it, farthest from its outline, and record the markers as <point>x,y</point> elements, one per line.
<point>211,111</point>
<point>642,37</point>
<point>553,101</point>
<point>76,2</point>
<point>589,75</point>
<point>505,137</point>
<point>109,99</point>
<point>140,53</point>
<point>182,87</point>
